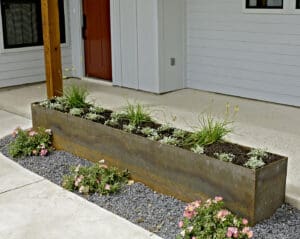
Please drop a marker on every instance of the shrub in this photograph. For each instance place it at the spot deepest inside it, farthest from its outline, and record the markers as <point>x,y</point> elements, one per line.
<point>75,97</point>
<point>95,179</point>
<point>31,142</point>
<point>211,220</point>
<point>212,130</point>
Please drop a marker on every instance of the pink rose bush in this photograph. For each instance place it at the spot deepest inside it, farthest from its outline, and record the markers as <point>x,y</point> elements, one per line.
<point>209,219</point>
<point>31,142</point>
<point>98,178</point>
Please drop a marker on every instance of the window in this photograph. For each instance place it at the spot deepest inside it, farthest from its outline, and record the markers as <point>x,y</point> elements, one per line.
<point>297,4</point>
<point>264,4</point>
<point>22,23</point>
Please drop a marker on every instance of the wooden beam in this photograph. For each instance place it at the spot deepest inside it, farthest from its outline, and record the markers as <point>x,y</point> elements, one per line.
<point>52,51</point>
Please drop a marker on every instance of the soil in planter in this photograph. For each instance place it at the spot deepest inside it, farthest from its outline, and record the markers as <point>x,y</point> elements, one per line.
<point>239,151</point>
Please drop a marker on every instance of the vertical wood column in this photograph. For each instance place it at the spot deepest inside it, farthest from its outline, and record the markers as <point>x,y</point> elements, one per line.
<point>52,51</point>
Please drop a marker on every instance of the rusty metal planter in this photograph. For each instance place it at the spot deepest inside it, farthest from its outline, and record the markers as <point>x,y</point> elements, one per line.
<point>254,194</point>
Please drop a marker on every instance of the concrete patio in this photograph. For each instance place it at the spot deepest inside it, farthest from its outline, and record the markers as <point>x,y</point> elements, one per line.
<point>258,124</point>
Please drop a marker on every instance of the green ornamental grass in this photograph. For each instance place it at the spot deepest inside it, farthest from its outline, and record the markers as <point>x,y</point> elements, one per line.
<point>76,97</point>
<point>136,114</point>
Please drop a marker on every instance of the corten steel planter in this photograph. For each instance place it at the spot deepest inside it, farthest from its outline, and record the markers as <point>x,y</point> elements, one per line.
<point>168,169</point>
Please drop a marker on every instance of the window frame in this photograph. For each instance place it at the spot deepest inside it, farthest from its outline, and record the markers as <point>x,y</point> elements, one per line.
<point>39,47</point>
<point>272,7</point>
<point>289,8</point>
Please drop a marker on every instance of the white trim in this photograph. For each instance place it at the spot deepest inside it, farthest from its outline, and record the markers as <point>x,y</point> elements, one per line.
<point>289,8</point>
<point>36,48</point>
<point>97,81</point>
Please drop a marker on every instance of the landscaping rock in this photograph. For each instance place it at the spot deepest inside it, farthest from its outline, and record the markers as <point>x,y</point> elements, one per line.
<point>139,204</point>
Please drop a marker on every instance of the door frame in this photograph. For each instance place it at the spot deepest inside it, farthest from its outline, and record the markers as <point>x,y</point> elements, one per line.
<point>77,45</point>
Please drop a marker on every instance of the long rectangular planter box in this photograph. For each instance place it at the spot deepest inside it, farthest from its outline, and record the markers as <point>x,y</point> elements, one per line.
<point>254,194</point>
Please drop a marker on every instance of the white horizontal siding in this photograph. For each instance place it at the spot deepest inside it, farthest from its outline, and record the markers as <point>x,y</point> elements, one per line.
<point>249,55</point>
<point>27,66</point>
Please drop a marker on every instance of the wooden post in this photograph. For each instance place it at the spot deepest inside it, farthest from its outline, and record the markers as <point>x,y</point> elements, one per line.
<point>52,51</point>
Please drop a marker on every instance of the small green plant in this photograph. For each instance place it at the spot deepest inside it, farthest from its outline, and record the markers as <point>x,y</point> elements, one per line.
<point>31,142</point>
<point>212,130</point>
<point>76,111</point>
<point>129,128</point>
<point>256,158</point>
<point>147,131</point>
<point>98,178</point>
<point>258,153</point>
<point>93,116</point>
<point>136,114</point>
<point>225,157</point>
<point>164,128</point>
<point>179,133</point>
<point>203,220</point>
<point>254,163</point>
<point>198,149</point>
<point>96,110</point>
<point>169,140</point>
<point>76,97</point>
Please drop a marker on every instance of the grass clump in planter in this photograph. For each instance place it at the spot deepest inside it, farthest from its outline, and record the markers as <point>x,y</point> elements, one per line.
<point>211,130</point>
<point>31,142</point>
<point>76,97</point>
<point>202,220</point>
<point>98,178</point>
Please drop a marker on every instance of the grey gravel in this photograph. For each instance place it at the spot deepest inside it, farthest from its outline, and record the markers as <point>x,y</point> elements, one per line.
<point>153,211</point>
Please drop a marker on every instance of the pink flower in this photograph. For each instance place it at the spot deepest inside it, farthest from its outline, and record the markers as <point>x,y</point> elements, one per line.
<point>16,132</point>
<point>245,221</point>
<point>48,131</point>
<point>107,187</point>
<point>44,152</point>
<point>32,133</point>
<point>232,232</point>
<point>193,237</point>
<point>180,224</point>
<point>218,199</point>
<point>248,232</point>
<point>78,180</point>
<point>196,204</point>
<point>222,214</point>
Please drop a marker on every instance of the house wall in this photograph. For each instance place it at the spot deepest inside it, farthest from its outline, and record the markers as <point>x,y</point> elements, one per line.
<point>145,35</point>
<point>26,65</point>
<point>243,54</point>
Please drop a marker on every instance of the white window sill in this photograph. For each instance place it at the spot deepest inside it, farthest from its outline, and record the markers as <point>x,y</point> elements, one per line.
<point>31,48</point>
<point>271,11</point>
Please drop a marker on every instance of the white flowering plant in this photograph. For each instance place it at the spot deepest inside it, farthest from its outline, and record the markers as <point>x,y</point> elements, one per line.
<point>30,142</point>
<point>210,220</point>
<point>98,178</point>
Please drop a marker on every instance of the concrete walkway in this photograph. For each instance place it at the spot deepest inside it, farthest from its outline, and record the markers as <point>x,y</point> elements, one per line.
<point>259,124</point>
<point>31,207</point>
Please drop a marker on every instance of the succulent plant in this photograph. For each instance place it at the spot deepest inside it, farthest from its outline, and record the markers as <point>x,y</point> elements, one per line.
<point>225,157</point>
<point>198,149</point>
<point>76,111</point>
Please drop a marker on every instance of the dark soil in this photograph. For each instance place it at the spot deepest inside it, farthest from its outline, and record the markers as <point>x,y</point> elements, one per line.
<point>239,151</point>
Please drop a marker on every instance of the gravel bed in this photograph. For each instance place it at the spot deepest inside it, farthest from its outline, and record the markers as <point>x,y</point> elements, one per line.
<point>153,211</point>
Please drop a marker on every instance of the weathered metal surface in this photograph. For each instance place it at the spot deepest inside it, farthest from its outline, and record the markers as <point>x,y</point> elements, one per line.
<point>167,169</point>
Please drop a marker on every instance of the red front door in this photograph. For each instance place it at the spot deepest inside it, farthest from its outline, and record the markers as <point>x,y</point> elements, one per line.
<point>97,40</point>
